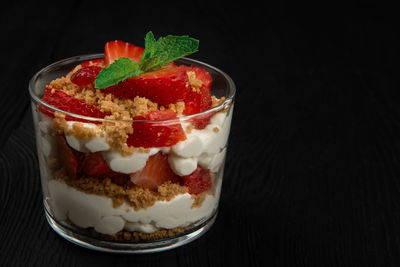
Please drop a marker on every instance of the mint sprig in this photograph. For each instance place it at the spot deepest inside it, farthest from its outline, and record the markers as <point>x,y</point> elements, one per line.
<point>157,53</point>
<point>118,71</point>
<point>165,50</point>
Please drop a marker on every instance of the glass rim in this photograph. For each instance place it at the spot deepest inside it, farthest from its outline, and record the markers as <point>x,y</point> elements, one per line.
<point>228,101</point>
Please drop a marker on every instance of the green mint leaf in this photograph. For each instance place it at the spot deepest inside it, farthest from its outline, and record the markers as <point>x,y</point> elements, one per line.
<point>150,46</point>
<point>119,70</point>
<point>165,50</point>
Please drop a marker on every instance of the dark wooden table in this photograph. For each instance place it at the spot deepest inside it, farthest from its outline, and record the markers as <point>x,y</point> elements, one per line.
<point>312,176</point>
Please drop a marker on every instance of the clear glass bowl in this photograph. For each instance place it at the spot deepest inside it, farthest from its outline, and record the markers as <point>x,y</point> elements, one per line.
<point>109,212</point>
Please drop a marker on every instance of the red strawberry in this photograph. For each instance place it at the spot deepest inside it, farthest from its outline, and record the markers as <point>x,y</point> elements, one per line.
<point>69,158</point>
<point>165,130</point>
<point>201,121</point>
<point>116,49</point>
<point>94,165</point>
<point>198,181</point>
<point>164,86</point>
<point>199,99</point>
<point>65,102</point>
<point>85,75</point>
<point>156,172</point>
<point>93,62</point>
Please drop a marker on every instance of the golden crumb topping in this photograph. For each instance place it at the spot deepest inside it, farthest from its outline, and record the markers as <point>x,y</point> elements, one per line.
<point>194,82</point>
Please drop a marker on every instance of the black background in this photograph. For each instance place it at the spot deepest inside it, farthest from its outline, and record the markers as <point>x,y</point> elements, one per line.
<point>312,176</point>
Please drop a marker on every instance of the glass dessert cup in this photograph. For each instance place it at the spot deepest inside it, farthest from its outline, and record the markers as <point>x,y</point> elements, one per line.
<point>111,213</point>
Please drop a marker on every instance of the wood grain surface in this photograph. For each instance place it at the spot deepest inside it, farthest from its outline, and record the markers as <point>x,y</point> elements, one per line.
<point>312,175</point>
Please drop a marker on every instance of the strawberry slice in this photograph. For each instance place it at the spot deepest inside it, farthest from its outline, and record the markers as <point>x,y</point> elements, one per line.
<point>164,130</point>
<point>156,172</point>
<point>65,102</point>
<point>94,165</point>
<point>164,86</point>
<point>199,98</point>
<point>69,158</point>
<point>86,75</point>
<point>116,49</point>
<point>198,181</point>
<point>93,62</point>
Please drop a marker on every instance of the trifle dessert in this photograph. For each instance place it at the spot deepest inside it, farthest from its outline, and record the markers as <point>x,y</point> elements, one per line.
<point>132,143</point>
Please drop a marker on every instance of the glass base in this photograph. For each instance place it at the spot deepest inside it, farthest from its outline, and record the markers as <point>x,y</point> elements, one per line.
<point>130,247</point>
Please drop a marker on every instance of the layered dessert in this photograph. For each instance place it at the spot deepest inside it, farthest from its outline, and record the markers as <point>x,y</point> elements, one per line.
<point>133,144</point>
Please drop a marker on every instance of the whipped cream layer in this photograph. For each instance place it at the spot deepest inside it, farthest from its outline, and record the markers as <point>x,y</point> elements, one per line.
<point>94,144</point>
<point>206,147</point>
<point>90,210</point>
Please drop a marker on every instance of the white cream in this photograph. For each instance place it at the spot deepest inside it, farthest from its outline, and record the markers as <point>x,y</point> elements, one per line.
<point>128,164</point>
<point>45,124</point>
<point>46,145</point>
<point>182,166</point>
<point>212,162</point>
<point>193,146</point>
<point>45,140</point>
<point>210,140</point>
<point>207,146</point>
<point>146,228</point>
<point>94,144</point>
<point>90,210</point>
